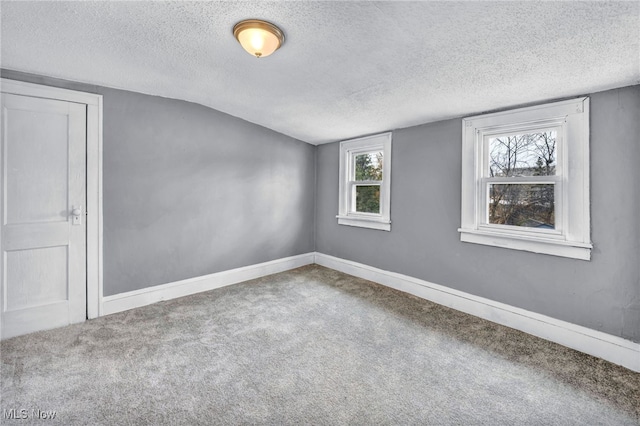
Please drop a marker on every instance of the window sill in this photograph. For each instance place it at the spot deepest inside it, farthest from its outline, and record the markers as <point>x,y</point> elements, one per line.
<point>365,222</point>
<point>574,250</point>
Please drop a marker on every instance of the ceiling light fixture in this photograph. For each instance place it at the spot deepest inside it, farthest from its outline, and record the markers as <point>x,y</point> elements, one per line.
<point>259,38</point>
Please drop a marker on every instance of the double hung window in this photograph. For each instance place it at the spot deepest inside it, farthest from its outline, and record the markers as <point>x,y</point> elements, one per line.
<point>525,179</point>
<point>365,182</point>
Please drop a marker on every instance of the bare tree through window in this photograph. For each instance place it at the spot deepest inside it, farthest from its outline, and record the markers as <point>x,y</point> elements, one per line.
<point>516,156</point>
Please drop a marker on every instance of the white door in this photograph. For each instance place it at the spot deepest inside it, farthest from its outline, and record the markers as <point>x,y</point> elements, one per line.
<point>43,244</point>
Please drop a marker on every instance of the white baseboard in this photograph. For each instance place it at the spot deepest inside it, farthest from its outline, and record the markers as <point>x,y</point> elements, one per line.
<point>611,348</point>
<point>602,345</point>
<point>146,296</point>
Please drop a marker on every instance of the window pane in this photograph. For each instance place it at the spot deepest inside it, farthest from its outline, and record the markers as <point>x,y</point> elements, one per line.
<point>368,166</point>
<point>367,198</point>
<point>522,205</point>
<point>529,154</point>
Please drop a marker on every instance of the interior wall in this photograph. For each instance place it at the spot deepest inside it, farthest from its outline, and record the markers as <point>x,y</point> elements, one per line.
<point>190,191</point>
<point>601,294</point>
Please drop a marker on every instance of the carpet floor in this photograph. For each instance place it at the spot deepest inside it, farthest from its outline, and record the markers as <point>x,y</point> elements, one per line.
<point>307,346</point>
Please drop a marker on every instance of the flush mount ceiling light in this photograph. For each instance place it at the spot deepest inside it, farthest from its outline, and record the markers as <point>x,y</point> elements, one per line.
<point>259,38</point>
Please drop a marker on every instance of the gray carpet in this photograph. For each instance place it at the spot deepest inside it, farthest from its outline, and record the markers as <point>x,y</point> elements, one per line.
<point>308,346</point>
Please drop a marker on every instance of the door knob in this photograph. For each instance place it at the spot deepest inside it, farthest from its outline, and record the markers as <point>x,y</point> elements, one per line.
<point>76,213</point>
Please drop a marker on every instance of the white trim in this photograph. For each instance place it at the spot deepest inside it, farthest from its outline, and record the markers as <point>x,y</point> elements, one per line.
<point>364,222</point>
<point>532,244</point>
<point>49,92</point>
<point>94,176</point>
<point>146,296</point>
<point>94,210</point>
<point>606,346</point>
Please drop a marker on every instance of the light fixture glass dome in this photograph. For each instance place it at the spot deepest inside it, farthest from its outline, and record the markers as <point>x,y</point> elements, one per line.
<point>259,38</point>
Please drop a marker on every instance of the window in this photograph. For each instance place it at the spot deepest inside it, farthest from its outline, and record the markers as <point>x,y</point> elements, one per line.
<point>525,179</point>
<point>365,182</point>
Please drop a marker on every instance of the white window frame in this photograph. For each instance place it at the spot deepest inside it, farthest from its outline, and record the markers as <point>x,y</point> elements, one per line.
<point>348,151</point>
<point>571,236</point>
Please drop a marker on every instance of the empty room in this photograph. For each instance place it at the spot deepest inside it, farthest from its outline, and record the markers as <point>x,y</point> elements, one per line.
<point>320,212</point>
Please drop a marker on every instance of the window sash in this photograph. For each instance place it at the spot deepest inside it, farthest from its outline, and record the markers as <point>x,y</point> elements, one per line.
<point>353,154</point>
<point>484,181</point>
<point>352,185</point>
<point>486,134</point>
<point>352,182</point>
<point>484,204</point>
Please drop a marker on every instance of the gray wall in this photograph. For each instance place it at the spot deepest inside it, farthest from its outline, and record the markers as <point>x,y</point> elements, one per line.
<point>190,191</point>
<point>603,294</point>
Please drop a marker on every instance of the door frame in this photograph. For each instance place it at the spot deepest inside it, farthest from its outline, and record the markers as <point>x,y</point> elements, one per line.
<point>93,102</point>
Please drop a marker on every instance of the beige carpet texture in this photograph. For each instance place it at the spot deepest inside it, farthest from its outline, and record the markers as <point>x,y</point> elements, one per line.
<point>306,346</point>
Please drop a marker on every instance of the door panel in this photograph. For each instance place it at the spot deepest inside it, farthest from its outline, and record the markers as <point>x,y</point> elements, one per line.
<point>32,268</point>
<point>43,181</point>
<point>37,179</point>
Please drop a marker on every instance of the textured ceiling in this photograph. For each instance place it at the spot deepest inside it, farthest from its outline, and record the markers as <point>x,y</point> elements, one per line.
<point>346,69</point>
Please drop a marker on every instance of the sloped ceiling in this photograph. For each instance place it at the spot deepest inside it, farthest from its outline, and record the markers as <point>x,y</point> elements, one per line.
<point>346,69</point>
